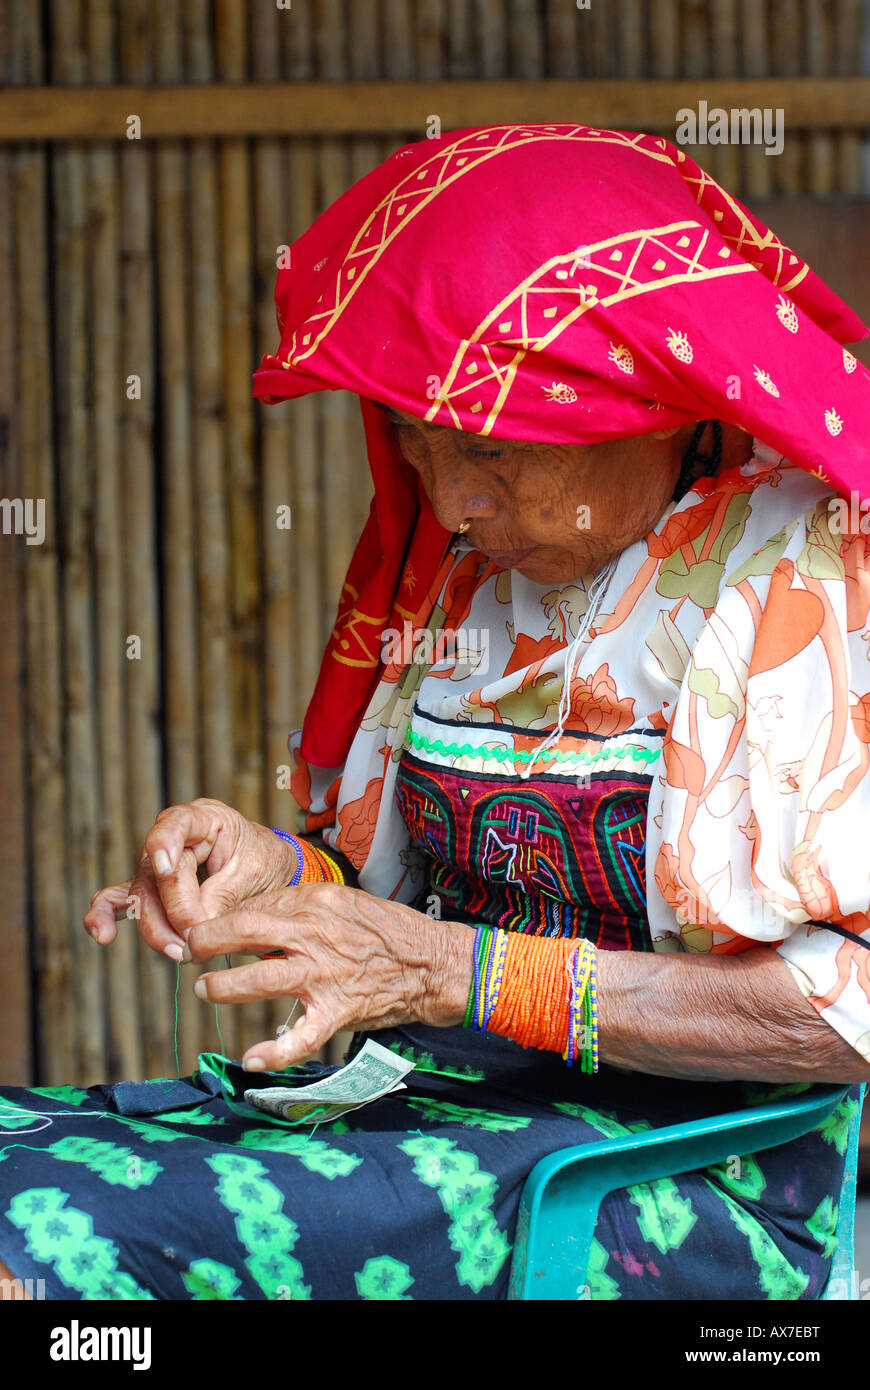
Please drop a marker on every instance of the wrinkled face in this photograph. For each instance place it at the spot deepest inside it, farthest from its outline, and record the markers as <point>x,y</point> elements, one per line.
<point>552,511</point>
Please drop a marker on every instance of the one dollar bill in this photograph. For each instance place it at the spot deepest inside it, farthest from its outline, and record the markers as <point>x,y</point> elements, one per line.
<point>373,1073</point>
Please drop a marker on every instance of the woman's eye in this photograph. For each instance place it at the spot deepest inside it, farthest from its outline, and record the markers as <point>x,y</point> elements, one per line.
<point>486,453</point>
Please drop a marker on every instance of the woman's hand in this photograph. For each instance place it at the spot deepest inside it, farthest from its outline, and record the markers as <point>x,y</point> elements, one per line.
<point>165,895</point>
<point>352,960</point>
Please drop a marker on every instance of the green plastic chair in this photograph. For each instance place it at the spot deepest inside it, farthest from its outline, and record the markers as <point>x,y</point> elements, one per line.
<point>562,1194</point>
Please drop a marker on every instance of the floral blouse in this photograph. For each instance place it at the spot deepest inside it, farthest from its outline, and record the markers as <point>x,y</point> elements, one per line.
<point>710,788</point>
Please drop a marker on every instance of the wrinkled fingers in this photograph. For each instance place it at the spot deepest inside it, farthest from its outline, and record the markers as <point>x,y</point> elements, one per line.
<point>246,930</point>
<point>149,911</point>
<point>307,1036</point>
<point>107,906</point>
<point>264,979</point>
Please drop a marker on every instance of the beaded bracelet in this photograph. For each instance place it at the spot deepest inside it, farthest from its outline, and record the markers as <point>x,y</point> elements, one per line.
<point>314,866</point>
<point>489,953</point>
<point>583,1008</point>
<point>519,991</point>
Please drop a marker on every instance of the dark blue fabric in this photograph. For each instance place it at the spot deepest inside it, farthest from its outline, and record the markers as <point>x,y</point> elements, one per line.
<point>413,1196</point>
<point>150,1097</point>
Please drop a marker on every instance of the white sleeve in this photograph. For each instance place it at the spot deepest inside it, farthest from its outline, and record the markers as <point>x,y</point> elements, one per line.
<point>759,824</point>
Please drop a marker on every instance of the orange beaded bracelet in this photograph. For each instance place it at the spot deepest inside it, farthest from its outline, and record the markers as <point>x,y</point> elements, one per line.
<point>318,867</point>
<point>539,991</point>
<point>314,865</point>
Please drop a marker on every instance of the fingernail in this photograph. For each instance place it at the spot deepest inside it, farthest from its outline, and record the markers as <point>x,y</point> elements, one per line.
<point>162,862</point>
<point>254,1064</point>
<point>199,989</point>
<point>174,952</point>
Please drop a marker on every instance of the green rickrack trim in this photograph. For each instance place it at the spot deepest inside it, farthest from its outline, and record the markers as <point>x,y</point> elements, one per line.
<point>505,755</point>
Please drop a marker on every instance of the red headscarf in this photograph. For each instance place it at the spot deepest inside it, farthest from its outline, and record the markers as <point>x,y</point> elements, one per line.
<point>553,283</point>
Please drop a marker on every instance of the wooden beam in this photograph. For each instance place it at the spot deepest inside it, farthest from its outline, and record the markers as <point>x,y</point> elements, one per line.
<point>309,108</point>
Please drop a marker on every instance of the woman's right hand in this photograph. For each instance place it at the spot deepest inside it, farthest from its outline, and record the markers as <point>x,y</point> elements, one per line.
<point>165,896</point>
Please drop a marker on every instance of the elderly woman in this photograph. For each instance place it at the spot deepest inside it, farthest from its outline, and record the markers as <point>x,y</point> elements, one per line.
<point>584,778</point>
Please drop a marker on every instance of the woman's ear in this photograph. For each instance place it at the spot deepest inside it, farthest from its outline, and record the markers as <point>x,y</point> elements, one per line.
<point>412,444</point>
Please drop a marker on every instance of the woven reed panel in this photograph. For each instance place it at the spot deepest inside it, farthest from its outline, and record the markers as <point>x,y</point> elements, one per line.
<point>137,281</point>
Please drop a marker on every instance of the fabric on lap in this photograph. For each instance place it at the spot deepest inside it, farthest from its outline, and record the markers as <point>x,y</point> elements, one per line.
<point>413,1197</point>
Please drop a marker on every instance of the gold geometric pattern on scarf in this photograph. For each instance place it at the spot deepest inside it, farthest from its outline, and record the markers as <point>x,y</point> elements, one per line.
<point>355,639</point>
<point>417,189</point>
<point>364,632</point>
<point>413,193</point>
<point>613,270</point>
<point>748,239</point>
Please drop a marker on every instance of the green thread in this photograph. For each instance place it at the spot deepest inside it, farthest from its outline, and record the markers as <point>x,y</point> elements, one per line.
<point>6,1147</point>
<point>156,1133</point>
<point>216,1064</point>
<point>217,1019</point>
<point>175,1025</point>
<point>507,755</point>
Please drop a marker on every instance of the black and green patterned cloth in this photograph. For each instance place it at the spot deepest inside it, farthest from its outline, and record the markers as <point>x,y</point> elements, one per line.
<point>412,1197</point>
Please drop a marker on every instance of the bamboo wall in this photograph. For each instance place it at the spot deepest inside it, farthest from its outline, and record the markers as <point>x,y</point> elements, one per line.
<point>155,259</point>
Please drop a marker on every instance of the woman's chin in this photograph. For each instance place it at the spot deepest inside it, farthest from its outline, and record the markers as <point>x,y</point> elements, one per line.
<point>556,569</point>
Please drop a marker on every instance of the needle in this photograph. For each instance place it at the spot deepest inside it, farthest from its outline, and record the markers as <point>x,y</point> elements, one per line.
<point>286,1024</point>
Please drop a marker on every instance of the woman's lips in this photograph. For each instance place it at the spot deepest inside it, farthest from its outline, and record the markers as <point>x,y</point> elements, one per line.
<point>509,559</point>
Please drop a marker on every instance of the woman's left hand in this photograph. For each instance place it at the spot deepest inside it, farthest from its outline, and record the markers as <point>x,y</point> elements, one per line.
<point>352,960</point>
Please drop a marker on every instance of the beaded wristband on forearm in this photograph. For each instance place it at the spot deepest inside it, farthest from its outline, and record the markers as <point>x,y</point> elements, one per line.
<point>538,991</point>
<point>314,866</point>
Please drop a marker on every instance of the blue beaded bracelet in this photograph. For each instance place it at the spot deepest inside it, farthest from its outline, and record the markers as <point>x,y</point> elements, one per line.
<point>291,840</point>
